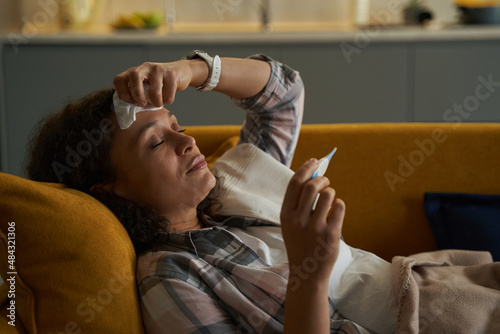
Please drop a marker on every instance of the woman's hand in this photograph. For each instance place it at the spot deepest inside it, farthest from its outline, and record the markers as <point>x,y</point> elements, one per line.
<point>163,79</point>
<point>312,239</point>
<point>310,234</point>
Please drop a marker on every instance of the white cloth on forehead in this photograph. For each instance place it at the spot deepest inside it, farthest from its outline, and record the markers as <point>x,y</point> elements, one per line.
<point>125,112</point>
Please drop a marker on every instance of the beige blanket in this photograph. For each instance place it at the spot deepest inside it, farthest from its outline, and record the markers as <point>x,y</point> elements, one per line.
<point>447,292</point>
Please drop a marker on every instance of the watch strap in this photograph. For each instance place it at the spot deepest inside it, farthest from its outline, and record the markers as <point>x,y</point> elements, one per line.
<point>214,68</point>
<point>213,75</point>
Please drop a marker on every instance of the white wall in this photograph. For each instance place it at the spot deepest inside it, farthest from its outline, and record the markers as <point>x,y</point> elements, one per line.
<point>9,14</point>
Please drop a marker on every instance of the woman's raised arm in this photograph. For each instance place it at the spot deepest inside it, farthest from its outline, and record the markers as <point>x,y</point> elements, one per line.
<point>240,78</point>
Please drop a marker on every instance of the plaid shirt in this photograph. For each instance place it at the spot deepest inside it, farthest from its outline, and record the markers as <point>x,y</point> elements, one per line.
<point>208,280</point>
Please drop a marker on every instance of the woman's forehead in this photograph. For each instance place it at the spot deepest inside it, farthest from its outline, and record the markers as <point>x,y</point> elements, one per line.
<point>145,117</point>
<point>144,120</point>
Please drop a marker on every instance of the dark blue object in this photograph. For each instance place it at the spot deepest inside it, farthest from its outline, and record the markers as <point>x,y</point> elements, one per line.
<point>465,221</point>
<point>480,15</point>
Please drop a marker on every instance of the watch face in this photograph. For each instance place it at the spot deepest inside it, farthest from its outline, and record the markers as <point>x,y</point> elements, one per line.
<point>194,54</point>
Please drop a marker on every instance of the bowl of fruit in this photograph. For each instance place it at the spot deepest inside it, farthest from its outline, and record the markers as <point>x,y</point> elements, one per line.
<point>138,21</point>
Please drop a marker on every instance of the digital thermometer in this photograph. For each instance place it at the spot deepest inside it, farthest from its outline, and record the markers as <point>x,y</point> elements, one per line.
<point>323,166</point>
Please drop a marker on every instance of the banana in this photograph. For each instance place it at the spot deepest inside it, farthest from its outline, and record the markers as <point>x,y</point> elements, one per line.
<point>138,20</point>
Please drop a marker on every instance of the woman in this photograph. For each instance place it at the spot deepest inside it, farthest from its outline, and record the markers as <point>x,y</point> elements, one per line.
<point>198,272</point>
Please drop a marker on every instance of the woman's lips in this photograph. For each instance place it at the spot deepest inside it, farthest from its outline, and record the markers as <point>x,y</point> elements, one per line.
<point>198,163</point>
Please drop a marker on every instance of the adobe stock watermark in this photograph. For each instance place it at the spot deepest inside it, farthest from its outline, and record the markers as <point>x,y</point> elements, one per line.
<point>258,318</point>
<point>271,307</point>
<point>428,146</point>
<point>90,307</point>
<point>363,37</point>
<point>75,155</point>
<point>31,27</point>
<point>309,265</point>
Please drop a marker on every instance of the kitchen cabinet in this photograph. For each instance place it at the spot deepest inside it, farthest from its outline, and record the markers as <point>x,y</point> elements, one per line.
<point>457,81</point>
<point>373,87</point>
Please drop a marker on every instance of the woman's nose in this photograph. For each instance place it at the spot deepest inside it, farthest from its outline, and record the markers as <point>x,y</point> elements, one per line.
<point>185,144</point>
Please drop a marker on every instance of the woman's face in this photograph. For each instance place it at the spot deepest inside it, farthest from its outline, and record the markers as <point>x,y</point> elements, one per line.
<point>159,166</point>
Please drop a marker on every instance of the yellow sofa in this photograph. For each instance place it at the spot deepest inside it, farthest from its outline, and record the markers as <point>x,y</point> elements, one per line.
<point>74,264</point>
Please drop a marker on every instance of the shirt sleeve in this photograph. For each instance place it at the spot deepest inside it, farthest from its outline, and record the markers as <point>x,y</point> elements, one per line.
<point>274,116</point>
<point>175,306</point>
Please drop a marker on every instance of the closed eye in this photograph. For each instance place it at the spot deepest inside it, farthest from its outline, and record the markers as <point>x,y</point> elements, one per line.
<point>155,146</point>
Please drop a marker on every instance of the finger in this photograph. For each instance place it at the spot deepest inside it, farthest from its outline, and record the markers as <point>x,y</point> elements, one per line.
<point>136,88</point>
<point>169,90</point>
<point>292,194</point>
<point>336,218</point>
<point>305,171</point>
<point>325,202</point>
<point>309,194</point>
<point>155,82</point>
<point>120,82</point>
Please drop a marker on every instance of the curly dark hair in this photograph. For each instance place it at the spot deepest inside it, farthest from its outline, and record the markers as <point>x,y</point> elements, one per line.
<point>73,147</point>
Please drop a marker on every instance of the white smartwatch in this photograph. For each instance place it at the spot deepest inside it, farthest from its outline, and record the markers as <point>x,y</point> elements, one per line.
<point>214,69</point>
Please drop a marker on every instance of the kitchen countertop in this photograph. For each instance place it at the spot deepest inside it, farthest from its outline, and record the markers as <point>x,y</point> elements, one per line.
<point>161,36</point>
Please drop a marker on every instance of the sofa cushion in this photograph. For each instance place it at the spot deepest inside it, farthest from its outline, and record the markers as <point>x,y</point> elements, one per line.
<point>225,146</point>
<point>75,262</point>
<point>465,221</point>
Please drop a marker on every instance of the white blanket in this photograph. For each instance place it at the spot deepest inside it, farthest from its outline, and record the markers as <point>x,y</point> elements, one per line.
<point>253,184</point>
